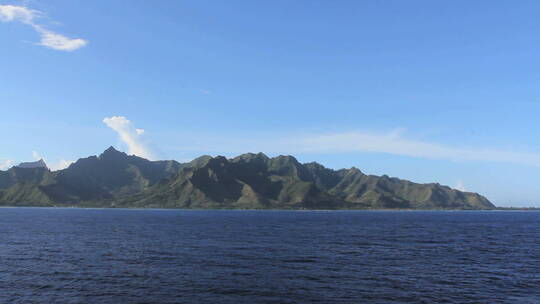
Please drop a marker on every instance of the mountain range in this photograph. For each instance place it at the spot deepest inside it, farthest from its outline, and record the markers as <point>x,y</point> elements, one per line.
<point>249,181</point>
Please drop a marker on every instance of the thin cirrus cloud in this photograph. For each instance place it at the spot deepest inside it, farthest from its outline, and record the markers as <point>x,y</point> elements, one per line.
<point>49,39</point>
<point>393,142</point>
<point>130,136</point>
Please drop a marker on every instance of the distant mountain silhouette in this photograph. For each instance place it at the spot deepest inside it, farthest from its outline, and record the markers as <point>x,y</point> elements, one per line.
<point>37,164</point>
<point>249,181</point>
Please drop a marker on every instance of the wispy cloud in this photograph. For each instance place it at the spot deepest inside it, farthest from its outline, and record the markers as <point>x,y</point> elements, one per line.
<point>460,186</point>
<point>6,164</point>
<point>395,143</point>
<point>205,92</point>
<point>130,135</point>
<point>392,142</point>
<point>50,39</point>
<point>36,156</point>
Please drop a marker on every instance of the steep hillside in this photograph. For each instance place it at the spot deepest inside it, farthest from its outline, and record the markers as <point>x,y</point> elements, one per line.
<point>256,181</point>
<point>249,181</point>
<point>93,179</point>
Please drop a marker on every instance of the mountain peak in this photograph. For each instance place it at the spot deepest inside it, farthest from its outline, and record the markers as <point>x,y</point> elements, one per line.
<point>249,157</point>
<point>110,149</point>
<point>200,161</point>
<point>111,152</point>
<point>37,164</point>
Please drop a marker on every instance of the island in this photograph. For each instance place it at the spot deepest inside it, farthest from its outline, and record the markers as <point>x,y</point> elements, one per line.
<point>249,181</point>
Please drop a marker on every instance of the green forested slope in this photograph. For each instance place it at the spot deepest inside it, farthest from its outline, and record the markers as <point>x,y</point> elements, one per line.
<point>249,181</point>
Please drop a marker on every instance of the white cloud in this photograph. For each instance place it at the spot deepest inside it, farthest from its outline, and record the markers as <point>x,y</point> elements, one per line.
<point>205,92</point>
<point>392,142</point>
<point>59,165</point>
<point>59,42</point>
<point>36,156</point>
<point>129,135</point>
<point>6,164</point>
<point>50,39</point>
<point>20,13</point>
<point>460,186</point>
<point>395,143</point>
<point>54,166</point>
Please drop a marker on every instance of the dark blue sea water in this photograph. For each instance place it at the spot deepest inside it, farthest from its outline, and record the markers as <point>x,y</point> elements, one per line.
<point>175,256</point>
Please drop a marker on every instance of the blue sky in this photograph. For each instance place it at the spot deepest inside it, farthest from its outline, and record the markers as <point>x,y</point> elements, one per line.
<point>431,91</point>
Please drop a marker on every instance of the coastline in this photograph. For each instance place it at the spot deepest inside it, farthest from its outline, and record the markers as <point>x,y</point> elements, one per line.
<point>271,209</point>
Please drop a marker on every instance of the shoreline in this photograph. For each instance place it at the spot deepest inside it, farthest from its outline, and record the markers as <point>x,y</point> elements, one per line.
<point>297,210</point>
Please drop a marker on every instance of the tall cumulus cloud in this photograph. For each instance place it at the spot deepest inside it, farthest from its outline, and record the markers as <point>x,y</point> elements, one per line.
<point>129,135</point>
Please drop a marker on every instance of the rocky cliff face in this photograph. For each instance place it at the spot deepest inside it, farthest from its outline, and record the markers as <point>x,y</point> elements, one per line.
<point>251,181</point>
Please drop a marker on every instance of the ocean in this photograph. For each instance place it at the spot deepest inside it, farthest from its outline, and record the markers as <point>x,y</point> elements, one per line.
<point>62,255</point>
